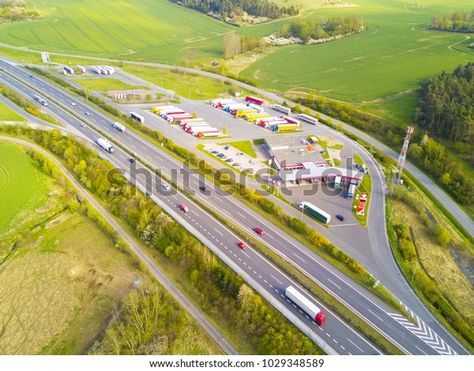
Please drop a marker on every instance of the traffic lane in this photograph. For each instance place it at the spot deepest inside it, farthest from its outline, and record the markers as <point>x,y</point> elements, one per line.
<point>123,160</point>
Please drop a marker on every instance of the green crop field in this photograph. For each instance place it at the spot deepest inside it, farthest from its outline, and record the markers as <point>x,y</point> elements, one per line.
<point>131,29</point>
<point>22,187</point>
<point>393,55</point>
<point>106,84</point>
<point>6,114</point>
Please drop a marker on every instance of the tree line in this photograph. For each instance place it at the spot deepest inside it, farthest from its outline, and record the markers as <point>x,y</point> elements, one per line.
<point>315,28</point>
<point>446,107</point>
<point>235,44</point>
<point>458,22</point>
<point>235,8</point>
<point>227,298</point>
<point>16,10</point>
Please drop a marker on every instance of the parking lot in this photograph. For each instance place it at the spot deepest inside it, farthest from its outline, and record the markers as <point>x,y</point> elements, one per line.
<point>233,157</point>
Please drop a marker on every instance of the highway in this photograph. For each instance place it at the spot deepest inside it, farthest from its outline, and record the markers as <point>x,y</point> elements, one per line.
<point>327,276</point>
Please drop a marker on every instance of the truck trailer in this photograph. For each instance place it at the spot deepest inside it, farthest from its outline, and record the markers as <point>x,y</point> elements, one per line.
<point>290,120</point>
<point>315,212</point>
<point>307,118</point>
<point>209,134</point>
<point>256,116</point>
<point>304,303</point>
<point>255,100</point>
<point>105,144</point>
<point>283,109</point>
<point>284,127</point>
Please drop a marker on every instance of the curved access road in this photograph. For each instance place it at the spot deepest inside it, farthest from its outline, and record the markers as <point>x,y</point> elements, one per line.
<point>152,267</point>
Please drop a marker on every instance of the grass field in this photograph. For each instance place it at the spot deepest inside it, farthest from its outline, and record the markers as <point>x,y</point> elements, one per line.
<point>106,84</point>
<point>6,114</point>
<point>185,85</point>
<point>22,187</point>
<point>146,29</point>
<point>244,146</point>
<point>394,54</point>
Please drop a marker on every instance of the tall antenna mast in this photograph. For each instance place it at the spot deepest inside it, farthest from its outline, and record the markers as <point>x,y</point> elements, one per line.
<point>403,153</point>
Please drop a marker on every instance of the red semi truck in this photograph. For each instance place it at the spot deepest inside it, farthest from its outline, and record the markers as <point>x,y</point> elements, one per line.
<point>255,100</point>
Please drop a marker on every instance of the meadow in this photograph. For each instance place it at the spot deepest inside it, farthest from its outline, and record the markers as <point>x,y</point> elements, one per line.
<point>6,114</point>
<point>22,187</point>
<point>102,84</point>
<point>393,55</point>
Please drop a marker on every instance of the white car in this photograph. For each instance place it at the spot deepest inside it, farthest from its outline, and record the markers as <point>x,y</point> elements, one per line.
<point>165,187</point>
<point>73,103</point>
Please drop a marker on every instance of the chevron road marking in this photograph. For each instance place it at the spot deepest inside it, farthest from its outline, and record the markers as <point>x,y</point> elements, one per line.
<point>424,332</point>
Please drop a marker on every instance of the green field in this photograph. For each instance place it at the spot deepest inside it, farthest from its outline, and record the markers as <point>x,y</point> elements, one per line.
<point>131,29</point>
<point>185,85</point>
<point>244,146</point>
<point>6,114</point>
<point>106,84</point>
<point>22,187</point>
<point>393,55</point>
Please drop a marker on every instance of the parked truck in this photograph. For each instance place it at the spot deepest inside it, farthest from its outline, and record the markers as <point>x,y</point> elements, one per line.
<point>290,120</point>
<point>315,212</point>
<point>284,127</point>
<point>351,190</point>
<point>307,118</point>
<point>283,109</point>
<point>244,112</point>
<point>209,134</point>
<point>306,305</point>
<point>255,100</point>
<point>256,116</point>
<point>105,144</point>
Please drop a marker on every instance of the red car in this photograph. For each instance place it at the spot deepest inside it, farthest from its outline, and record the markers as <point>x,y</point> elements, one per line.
<point>258,230</point>
<point>242,245</point>
<point>184,207</point>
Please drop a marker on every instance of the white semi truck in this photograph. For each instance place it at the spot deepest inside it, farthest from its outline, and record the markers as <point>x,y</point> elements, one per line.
<point>304,303</point>
<point>105,144</point>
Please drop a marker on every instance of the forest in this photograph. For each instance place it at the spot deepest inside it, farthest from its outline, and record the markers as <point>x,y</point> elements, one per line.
<point>316,29</point>
<point>233,9</point>
<point>457,22</point>
<point>16,10</point>
<point>447,105</point>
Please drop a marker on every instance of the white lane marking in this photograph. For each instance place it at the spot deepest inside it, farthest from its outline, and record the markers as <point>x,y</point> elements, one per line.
<point>269,235</point>
<point>218,231</point>
<point>419,349</point>
<point>195,213</point>
<point>350,341</point>
<point>276,279</point>
<point>299,257</point>
<point>247,255</point>
<point>333,283</point>
<point>238,213</point>
<point>375,315</point>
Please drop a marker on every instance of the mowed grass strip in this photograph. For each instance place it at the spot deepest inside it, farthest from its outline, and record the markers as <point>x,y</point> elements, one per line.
<point>244,146</point>
<point>7,114</point>
<point>101,84</point>
<point>22,187</point>
<point>183,84</point>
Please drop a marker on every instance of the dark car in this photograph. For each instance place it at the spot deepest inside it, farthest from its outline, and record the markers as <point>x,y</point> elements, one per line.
<point>86,113</point>
<point>202,187</point>
<point>340,217</point>
<point>229,160</point>
<point>131,160</point>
